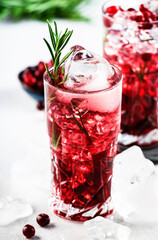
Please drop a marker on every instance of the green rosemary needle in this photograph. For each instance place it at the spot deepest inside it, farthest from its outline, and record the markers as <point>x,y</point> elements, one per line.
<point>58,43</point>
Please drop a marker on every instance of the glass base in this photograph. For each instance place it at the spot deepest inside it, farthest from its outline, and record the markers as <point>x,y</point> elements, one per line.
<point>75,214</point>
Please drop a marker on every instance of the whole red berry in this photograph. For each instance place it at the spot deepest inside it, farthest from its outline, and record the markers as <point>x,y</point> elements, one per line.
<point>28,231</point>
<point>112,10</point>
<point>50,64</point>
<point>145,25</point>
<point>37,73</point>
<point>141,92</point>
<point>41,67</point>
<point>43,219</point>
<point>138,18</point>
<point>40,106</point>
<point>40,85</point>
<point>142,8</point>
<point>131,9</point>
<point>28,78</point>
<point>146,57</point>
<point>146,15</point>
<point>121,9</point>
<point>107,22</point>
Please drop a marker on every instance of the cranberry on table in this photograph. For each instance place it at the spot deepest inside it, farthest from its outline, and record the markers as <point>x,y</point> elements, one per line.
<point>28,231</point>
<point>43,219</point>
<point>40,106</point>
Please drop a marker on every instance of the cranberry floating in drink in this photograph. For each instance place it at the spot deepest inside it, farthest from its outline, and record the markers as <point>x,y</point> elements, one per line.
<point>131,42</point>
<point>83,119</point>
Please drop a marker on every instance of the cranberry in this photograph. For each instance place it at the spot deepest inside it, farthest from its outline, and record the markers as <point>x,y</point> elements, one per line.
<point>112,10</point>
<point>40,84</point>
<point>41,67</point>
<point>49,64</point>
<point>146,57</point>
<point>138,18</point>
<point>107,22</point>
<point>146,26</point>
<point>126,68</point>
<point>131,9</point>
<point>43,219</point>
<point>146,15</point>
<point>152,16</point>
<point>28,231</point>
<point>37,73</point>
<point>142,8</point>
<point>121,9</point>
<point>29,79</point>
<point>141,92</point>
<point>40,105</point>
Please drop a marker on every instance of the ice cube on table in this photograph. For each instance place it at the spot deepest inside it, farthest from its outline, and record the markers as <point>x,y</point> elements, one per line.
<point>87,71</point>
<point>135,186</point>
<point>12,210</point>
<point>101,228</point>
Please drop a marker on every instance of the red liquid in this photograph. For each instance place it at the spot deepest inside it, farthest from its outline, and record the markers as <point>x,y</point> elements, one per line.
<point>138,61</point>
<point>81,164</point>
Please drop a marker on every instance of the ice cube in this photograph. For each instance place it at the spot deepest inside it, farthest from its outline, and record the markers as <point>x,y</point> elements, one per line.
<point>100,228</point>
<point>79,105</point>
<point>12,210</point>
<point>87,71</point>
<point>135,186</point>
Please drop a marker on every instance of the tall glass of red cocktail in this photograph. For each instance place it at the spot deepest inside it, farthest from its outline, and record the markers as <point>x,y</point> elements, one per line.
<point>83,119</point>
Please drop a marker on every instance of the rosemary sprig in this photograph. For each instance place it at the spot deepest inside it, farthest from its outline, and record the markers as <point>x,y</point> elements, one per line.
<point>55,136</point>
<point>105,36</point>
<point>149,39</point>
<point>140,75</point>
<point>81,125</point>
<point>41,9</point>
<point>58,42</point>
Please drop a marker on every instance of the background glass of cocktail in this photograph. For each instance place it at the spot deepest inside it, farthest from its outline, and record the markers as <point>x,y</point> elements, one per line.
<point>131,42</point>
<point>83,128</point>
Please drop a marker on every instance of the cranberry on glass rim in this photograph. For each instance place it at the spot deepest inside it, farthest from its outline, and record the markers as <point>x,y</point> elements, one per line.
<point>131,43</point>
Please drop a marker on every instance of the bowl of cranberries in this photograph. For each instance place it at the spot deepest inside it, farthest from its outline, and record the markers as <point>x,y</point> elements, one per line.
<point>31,79</point>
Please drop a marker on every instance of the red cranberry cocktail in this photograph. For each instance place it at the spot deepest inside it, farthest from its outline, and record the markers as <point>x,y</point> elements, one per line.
<point>83,119</point>
<point>131,42</point>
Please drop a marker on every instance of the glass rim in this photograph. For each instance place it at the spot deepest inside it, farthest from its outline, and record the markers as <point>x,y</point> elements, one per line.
<point>84,91</point>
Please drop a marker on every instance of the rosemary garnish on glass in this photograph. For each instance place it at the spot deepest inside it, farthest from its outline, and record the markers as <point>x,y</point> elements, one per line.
<point>58,42</point>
